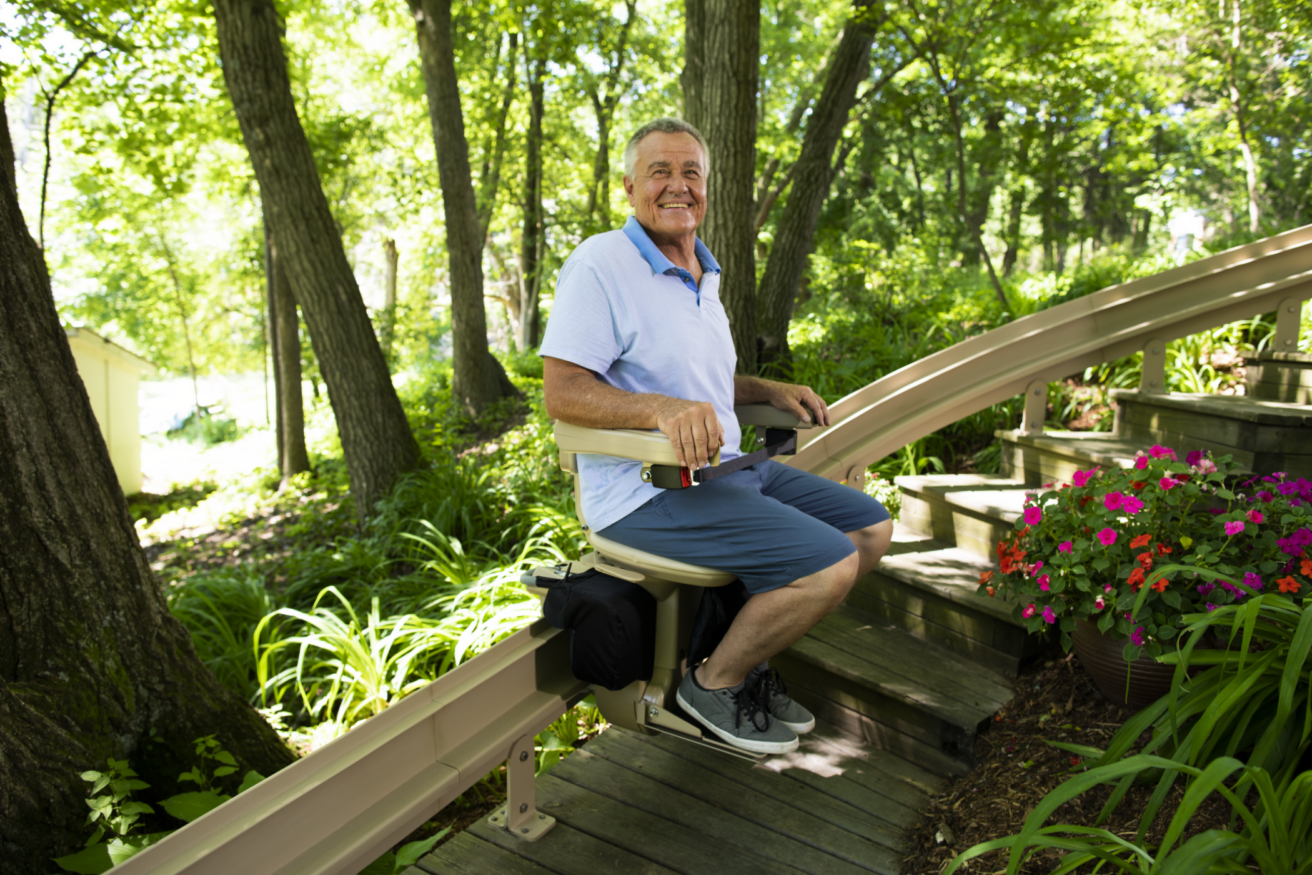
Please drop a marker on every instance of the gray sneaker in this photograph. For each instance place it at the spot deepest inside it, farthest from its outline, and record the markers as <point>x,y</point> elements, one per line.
<point>773,696</point>
<point>735,717</point>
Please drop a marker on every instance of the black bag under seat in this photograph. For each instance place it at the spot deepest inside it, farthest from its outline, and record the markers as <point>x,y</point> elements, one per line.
<point>612,626</point>
<point>719,605</point>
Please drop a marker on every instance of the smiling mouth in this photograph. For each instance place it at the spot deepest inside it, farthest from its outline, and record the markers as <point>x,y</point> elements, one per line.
<point>675,206</point>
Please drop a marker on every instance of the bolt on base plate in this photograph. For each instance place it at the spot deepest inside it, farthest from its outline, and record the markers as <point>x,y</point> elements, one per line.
<point>530,831</point>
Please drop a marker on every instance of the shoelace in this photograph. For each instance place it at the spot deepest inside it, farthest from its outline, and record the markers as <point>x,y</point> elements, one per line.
<point>749,705</point>
<point>768,684</point>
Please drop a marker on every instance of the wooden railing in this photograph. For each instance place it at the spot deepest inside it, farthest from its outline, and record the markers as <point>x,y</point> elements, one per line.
<point>342,806</point>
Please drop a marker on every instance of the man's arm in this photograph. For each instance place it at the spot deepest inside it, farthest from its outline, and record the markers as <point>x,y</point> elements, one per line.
<point>797,400</point>
<point>575,395</point>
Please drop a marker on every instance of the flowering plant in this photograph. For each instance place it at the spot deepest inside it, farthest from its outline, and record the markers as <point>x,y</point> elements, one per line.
<point>1088,548</point>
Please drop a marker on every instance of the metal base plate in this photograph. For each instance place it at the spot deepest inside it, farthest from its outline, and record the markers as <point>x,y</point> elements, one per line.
<point>535,828</point>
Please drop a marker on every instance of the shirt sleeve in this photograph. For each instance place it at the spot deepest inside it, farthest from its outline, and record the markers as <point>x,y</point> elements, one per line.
<point>581,328</point>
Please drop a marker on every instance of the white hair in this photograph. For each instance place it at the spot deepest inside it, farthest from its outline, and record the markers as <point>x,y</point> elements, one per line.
<point>665,125</point>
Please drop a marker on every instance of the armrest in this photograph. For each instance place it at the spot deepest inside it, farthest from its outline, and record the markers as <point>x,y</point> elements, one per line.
<point>651,447</point>
<point>768,416</point>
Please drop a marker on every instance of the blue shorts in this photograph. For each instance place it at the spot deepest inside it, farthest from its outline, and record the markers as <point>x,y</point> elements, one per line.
<point>769,524</point>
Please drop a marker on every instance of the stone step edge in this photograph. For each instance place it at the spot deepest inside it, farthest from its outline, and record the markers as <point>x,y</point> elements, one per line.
<point>963,496</point>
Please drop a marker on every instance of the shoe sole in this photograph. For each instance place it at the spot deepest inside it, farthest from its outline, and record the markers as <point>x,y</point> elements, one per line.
<point>799,728</point>
<point>731,739</point>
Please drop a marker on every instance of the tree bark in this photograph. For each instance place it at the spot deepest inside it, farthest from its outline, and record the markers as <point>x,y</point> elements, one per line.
<point>376,438</point>
<point>293,458</point>
<point>532,239</point>
<point>728,46</point>
<point>811,180</point>
<point>387,326</point>
<point>271,320</point>
<point>92,665</point>
<point>479,380</point>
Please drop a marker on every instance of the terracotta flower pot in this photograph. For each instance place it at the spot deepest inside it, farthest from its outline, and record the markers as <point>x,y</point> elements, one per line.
<point>1100,654</point>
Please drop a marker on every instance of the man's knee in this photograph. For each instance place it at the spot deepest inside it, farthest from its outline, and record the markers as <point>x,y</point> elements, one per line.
<point>831,585</point>
<point>872,543</point>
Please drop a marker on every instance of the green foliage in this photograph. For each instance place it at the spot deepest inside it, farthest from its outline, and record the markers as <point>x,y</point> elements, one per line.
<point>222,610</point>
<point>206,429</point>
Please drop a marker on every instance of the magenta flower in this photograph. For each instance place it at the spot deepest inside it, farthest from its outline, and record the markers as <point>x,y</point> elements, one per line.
<point>1033,516</point>
<point>1028,612</point>
<point>1234,527</point>
<point>1049,616</point>
<point>1136,637</point>
<point>1099,604</point>
<point>1265,497</point>
<point>1112,500</point>
<point>1206,588</point>
<point>1107,587</point>
<point>1065,547</point>
<point>1107,537</point>
<point>1140,462</point>
<point>1255,516</point>
<point>1193,458</point>
<point>1166,483</point>
<point>1043,582</point>
<point>1210,607</point>
<point>1160,452</point>
<point>1252,581</point>
<point>1080,479</point>
<point>1131,505</point>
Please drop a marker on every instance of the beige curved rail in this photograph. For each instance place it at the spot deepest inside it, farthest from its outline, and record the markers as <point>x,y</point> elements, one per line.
<point>1023,356</point>
<point>338,809</point>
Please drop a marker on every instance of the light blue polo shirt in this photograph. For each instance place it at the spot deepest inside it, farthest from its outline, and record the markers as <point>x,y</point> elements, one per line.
<point>626,312</point>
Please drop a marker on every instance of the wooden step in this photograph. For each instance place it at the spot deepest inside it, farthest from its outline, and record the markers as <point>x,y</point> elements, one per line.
<point>1055,456</point>
<point>930,589</point>
<point>1263,436</point>
<point>1279,376</point>
<point>877,681</point>
<point>969,511</point>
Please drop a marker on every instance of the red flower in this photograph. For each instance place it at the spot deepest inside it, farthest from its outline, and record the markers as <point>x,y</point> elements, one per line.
<point>1184,478</point>
<point>1288,584</point>
<point>1306,568</point>
<point>985,577</point>
<point>1137,484</point>
<point>1141,541</point>
<point>990,590</point>
<point>1136,578</point>
<point>1145,560</point>
<point>1006,565</point>
<point>1160,585</point>
<point>1163,550</point>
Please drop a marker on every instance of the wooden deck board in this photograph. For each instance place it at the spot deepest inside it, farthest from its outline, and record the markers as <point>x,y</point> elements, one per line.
<point>759,822</point>
<point>467,855</point>
<point>567,851</point>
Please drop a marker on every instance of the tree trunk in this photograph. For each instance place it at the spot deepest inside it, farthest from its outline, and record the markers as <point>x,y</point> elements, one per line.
<point>376,438</point>
<point>729,44</point>
<point>479,380</point>
<point>694,57</point>
<point>387,326</point>
<point>531,251</point>
<point>293,458</point>
<point>271,308</point>
<point>811,180</point>
<point>490,179</point>
<point>92,665</point>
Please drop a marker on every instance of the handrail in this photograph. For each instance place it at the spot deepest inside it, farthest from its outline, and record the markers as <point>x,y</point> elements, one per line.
<point>940,389</point>
<point>340,808</point>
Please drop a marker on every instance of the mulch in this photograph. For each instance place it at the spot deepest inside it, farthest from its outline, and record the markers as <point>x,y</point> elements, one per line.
<point>1015,768</point>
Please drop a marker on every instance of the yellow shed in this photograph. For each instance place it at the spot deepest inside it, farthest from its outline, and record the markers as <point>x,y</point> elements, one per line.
<point>111,375</point>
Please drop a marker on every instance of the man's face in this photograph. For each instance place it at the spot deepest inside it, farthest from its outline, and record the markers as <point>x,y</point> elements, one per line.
<point>668,191</point>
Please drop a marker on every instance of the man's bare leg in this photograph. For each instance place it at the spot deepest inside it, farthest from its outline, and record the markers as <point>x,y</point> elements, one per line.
<point>771,621</point>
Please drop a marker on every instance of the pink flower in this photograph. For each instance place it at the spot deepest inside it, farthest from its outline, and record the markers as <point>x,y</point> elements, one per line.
<point>1107,537</point>
<point>1131,505</point>
<point>1107,587</point>
<point>1049,616</point>
<point>1080,479</point>
<point>1038,566</point>
<point>1206,466</point>
<point>1065,547</point>
<point>1099,604</point>
<point>1166,483</point>
<point>1140,462</point>
<point>1160,452</point>
<point>1112,500</point>
<point>1255,516</point>
<point>1136,637</point>
<point>1043,582</point>
<point>1033,516</point>
<point>1234,527</point>
<point>1028,612</point>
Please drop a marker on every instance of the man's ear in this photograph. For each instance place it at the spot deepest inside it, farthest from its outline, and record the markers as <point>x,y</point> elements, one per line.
<point>628,189</point>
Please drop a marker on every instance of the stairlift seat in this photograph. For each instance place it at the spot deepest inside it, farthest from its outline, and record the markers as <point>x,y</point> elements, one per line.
<point>657,566</point>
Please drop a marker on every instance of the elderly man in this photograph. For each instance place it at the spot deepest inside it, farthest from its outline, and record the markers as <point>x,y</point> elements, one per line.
<point>638,339</point>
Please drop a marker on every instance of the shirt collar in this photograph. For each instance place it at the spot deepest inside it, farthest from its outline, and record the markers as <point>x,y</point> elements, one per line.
<point>654,257</point>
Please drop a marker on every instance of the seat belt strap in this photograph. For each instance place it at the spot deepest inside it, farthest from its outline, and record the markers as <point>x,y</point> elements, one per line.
<point>778,442</point>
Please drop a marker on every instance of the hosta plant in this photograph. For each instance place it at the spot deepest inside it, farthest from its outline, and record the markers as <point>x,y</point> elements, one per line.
<point>1086,549</point>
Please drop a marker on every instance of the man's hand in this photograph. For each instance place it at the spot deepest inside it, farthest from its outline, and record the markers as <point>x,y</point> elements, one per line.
<point>693,429</point>
<point>800,401</point>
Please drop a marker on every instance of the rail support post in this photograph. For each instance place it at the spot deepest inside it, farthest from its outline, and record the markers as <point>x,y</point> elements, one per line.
<point>1036,407</point>
<point>1153,379</point>
<point>520,815</point>
<point>1287,324</point>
